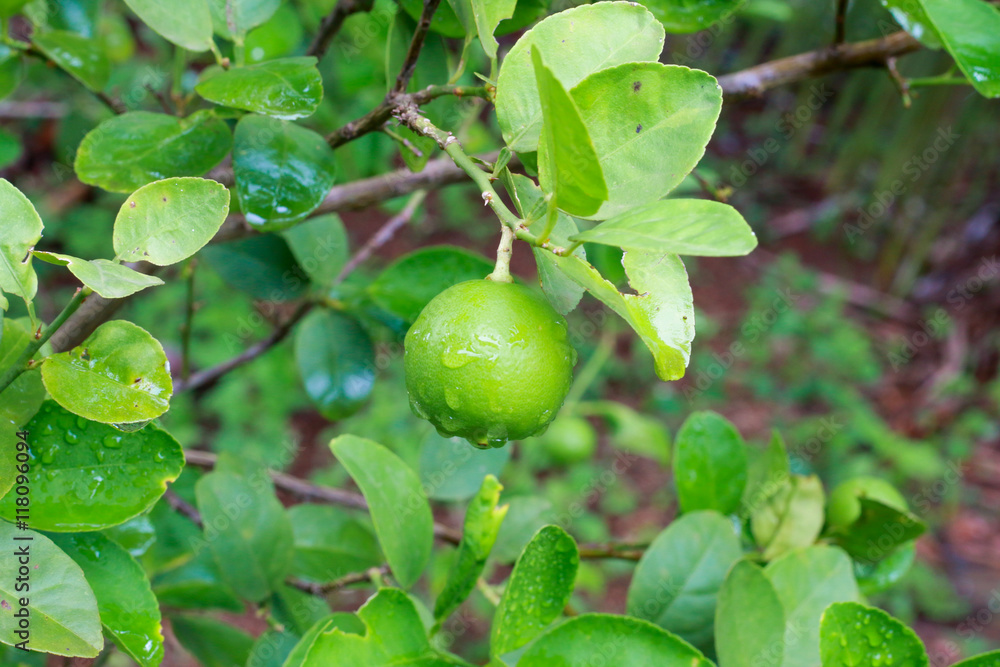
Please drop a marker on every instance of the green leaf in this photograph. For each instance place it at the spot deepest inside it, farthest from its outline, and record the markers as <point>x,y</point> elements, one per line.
<point>537,591</point>
<point>677,581</point>
<point>21,230</point>
<point>119,375</point>
<point>808,581</point>
<point>591,639</point>
<point>19,401</point>
<point>61,607</point>
<point>685,16</point>
<point>970,31</point>
<point>767,470</point>
<point>876,577</point>
<point>329,543</point>
<point>349,623</point>
<point>650,124</point>
<point>297,610</point>
<point>233,19</point>
<point>196,583</point>
<point>587,38</point>
<point>526,515</point>
<point>9,8</point>
<point>393,635</point>
<point>258,535</point>
<point>82,58</point>
<point>991,659</point>
<point>272,648</point>
<point>320,246</point>
<point>680,226</point>
<point>282,171</point>
<point>128,151</point>
<point>913,19</point>
<point>749,620</point>
<point>11,149</point>
<point>261,265</point>
<point>396,500</point>
<point>632,431</point>
<point>129,611</point>
<point>11,70</point>
<point>110,280</point>
<point>661,311</point>
<point>479,532</point>
<point>451,470</point>
<point>336,362</point>
<point>568,166</point>
<point>488,14</point>
<point>878,531</point>
<point>213,643</point>
<point>710,464</point>
<point>286,88</point>
<point>409,283</point>
<point>790,517</point>
<point>167,221</point>
<point>185,23</point>
<point>855,635</point>
<point>88,476</point>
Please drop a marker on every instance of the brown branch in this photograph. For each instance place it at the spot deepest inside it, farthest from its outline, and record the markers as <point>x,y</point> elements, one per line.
<point>182,507</point>
<point>840,27</point>
<point>333,22</point>
<point>416,44</point>
<point>382,236</point>
<point>752,82</point>
<point>337,584</point>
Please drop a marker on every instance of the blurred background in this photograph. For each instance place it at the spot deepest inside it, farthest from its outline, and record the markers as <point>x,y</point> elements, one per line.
<point>865,328</point>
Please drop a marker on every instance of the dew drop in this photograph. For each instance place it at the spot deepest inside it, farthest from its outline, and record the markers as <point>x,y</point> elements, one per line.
<point>112,441</point>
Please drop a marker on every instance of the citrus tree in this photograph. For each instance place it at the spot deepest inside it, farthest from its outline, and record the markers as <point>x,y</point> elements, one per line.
<point>112,528</point>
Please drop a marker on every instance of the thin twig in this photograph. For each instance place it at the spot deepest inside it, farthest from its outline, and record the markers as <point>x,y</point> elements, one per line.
<point>337,584</point>
<point>182,507</point>
<point>840,27</point>
<point>333,22</point>
<point>416,44</point>
<point>383,235</point>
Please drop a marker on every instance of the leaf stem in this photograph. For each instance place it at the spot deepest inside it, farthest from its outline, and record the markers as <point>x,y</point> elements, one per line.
<point>501,272</point>
<point>24,361</point>
<point>488,592</point>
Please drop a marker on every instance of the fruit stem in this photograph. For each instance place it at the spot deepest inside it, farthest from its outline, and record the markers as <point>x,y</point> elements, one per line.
<point>501,272</point>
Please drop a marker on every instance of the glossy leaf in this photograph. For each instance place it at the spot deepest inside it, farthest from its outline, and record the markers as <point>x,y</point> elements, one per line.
<point>257,535</point>
<point>396,500</point>
<point>167,221</point>
<point>684,16</point>
<point>661,311</point>
<point>613,640</point>
<point>539,587</point>
<point>677,581</point>
<point>320,247</point>
<point>286,88</point>
<point>650,124</point>
<point>329,543</point>
<point>393,635</point>
<point>61,606</point>
<point>878,576</point>
<point>119,375</point>
<point>710,464</point>
<point>128,151</point>
<point>185,23</point>
<point>88,476</point>
<point>82,58</point>
<point>479,532</point>
<point>282,171</point>
<point>860,636</point>
<point>451,470</point>
<point>336,362</point>
<point>808,581</point>
<point>749,620</point>
<point>911,16</point>
<point>587,39</point>
<point>261,265</point>
<point>790,517</point>
<point>129,612</point>
<point>348,623</point>
<point>568,165</point>
<point>680,226</point>
<point>212,642</point>
<point>234,18</point>
<point>409,283</point>
<point>110,280</point>
<point>878,531</point>
<point>21,230</point>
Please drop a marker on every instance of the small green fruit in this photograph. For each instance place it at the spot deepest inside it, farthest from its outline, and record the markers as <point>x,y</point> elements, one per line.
<point>844,508</point>
<point>488,361</point>
<point>569,440</point>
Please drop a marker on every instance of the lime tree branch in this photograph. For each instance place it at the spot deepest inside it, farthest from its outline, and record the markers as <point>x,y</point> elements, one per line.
<point>333,22</point>
<point>23,362</point>
<point>416,45</point>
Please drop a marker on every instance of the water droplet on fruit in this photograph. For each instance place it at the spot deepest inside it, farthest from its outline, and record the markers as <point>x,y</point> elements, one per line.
<point>453,397</point>
<point>456,358</point>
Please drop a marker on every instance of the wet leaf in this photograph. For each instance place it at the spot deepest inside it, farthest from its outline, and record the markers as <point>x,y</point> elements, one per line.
<point>110,280</point>
<point>855,634</point>
<point>286,88</point>
<point>336,362</point>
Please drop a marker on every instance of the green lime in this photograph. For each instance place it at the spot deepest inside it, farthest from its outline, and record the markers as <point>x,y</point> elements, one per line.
<point>488,361</point>
<point>843,508</point>
<point>569,440</point>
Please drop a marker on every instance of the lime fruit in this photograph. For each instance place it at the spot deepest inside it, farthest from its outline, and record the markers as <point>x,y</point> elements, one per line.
<point>844,508</point>
<point>569,440</point>
<point>488,361</point>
